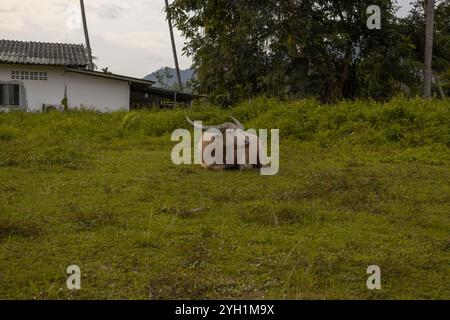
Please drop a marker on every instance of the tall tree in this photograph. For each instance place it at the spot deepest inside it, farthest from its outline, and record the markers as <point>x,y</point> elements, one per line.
<point>174,48</point>
<point>86,35</point>
<point>298,48</point>
<point>428,70</point>
<point>412,28</point>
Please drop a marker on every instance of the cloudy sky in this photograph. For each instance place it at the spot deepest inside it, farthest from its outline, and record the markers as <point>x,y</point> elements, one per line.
<point>130,37</point>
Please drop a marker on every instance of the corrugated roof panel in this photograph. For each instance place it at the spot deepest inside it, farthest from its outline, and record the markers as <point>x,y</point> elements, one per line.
<point>43,53</point>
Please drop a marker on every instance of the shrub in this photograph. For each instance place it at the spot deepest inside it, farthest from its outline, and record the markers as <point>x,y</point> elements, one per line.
<point>8,133</point>
<point>414,122</point>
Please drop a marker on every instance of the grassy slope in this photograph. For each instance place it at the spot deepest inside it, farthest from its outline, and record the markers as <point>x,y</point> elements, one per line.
<point>360,184</point>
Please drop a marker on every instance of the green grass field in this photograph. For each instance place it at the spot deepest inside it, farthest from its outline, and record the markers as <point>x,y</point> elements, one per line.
<point>359,184</point>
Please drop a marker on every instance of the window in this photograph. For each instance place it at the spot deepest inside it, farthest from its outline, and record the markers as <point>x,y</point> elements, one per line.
<point>10,94</point>
<point>34,75</point>
<point>14,94</point>
<point>15,75</point>
<point>24,75</point>
<point>29,75</point>
<point>43,76</point>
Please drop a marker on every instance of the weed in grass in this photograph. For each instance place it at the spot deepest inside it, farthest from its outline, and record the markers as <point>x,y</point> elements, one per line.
<point>90,219</point>
<point>23,229</point>
<point>8,133</point>
<point>182,211</point>
<point>274,214</point>
<point>176,285</point>
<point>70,158</point>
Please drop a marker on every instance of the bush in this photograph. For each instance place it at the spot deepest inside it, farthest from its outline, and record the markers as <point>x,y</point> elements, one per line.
<point>414,122</point>
<point>8,133</point>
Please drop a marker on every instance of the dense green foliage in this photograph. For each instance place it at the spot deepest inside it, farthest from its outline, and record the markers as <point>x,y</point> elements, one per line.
<point>291,49</point>
<point>416,122</point>
<point>359,184</point>
<point>412,28</point>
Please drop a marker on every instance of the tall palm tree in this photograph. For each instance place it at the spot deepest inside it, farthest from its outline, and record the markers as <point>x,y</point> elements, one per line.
<point>174,49</point>
<point>86,35</point>
<point>428,72</point>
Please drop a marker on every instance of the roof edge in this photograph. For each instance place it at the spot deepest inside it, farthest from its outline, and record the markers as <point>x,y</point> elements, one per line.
<point>109,76</point>
<point>45,42</point>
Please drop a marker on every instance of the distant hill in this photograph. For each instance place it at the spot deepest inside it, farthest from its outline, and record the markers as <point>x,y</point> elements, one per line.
<point>167,78</point>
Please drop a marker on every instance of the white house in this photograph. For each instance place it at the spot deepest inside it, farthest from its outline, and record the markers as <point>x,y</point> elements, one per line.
<point>36,75</point>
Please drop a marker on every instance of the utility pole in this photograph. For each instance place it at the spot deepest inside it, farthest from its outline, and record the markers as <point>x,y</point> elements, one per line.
<point>428,72</point>
<point>174,49</point>
<point>86,35</point>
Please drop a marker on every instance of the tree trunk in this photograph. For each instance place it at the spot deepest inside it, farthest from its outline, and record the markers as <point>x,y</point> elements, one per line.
<point>438,84</point>
<point>174,49</point>
<point>86,35</point>
<point>428,72</point>
<point>345,73</point>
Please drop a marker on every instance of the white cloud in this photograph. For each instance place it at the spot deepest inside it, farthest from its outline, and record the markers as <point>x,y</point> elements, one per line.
<point>110,11</point>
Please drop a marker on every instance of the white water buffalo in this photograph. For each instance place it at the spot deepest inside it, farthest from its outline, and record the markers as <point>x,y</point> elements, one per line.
<point>237,144</point>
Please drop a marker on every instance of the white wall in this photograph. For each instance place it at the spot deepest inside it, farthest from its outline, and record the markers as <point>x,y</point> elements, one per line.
<point>83,91</point>
<point>97,93</point>
<point>38,92</point>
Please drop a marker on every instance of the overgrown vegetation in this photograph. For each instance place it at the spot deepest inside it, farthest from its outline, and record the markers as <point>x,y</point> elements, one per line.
<point>298,49</point>
<point>359,184</point>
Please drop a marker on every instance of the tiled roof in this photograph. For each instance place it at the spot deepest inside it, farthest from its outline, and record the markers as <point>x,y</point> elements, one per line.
<point>41,53</point>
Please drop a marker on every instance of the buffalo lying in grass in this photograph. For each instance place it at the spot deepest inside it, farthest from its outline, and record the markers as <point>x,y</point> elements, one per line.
<point>237,143</point>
